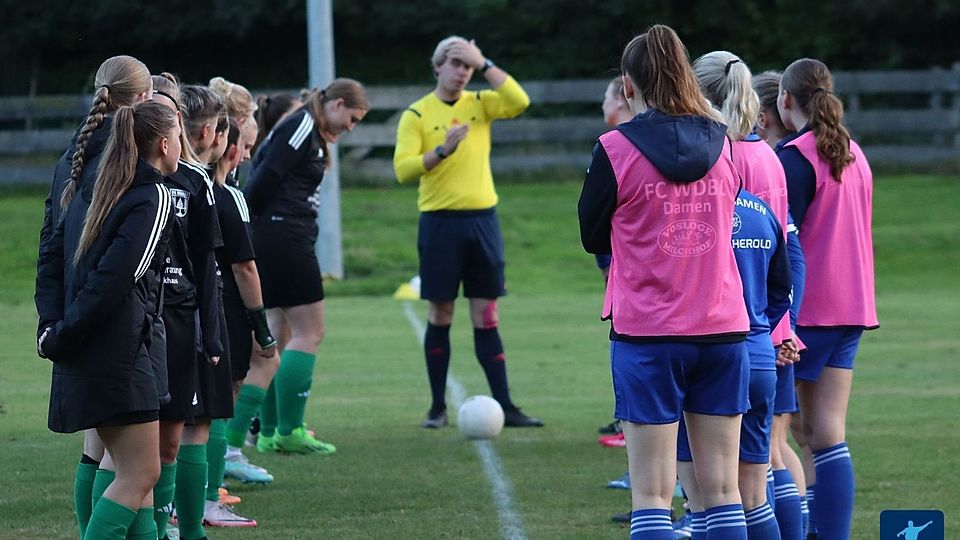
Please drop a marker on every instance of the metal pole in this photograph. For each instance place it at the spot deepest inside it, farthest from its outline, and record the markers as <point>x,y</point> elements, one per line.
<point>320,57</point>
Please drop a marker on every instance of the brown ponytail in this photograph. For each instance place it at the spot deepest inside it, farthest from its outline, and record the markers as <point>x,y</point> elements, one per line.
<point>811,85</point>
<point>166,84</point>
<point>135,130</point>
<point>119,80</point>
<point>270,109</point>
<point>657,63</point>
<point>350,91</point>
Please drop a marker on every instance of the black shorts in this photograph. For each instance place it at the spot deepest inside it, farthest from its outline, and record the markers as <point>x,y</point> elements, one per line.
<point>457,246</point>
<point>240,337</point>
<point>214,383</point>
<point>181,326</point>
<point>287,262</point>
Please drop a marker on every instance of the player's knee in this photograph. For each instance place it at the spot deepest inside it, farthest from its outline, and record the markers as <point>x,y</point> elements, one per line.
<point>486,315</point>
<point>440,313</point>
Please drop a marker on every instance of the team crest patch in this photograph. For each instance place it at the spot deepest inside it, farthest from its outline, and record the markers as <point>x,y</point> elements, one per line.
<point>736,223</point>
<point>180,200</point>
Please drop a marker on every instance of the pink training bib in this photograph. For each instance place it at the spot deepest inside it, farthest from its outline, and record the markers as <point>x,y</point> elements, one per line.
<point>673,271</point>
<point>838,243</point>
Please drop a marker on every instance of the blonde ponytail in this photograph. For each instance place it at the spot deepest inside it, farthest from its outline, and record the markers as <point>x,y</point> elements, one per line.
<point>726,82</point>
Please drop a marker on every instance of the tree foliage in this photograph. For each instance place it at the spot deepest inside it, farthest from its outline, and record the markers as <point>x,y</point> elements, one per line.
<point>59,43</point>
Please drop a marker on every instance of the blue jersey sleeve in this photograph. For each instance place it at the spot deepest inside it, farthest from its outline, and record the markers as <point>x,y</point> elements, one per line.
<point>801,182</point>
<point>798,269</point>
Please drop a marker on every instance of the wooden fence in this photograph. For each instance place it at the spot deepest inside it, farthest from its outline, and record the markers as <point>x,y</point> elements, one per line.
<point>902,117</point>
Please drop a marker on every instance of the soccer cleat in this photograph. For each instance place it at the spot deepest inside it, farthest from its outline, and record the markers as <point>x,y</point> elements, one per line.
<point>240,468</point>
<point>514,417</point>
<point>217,514</point>
<point>683,527</point>
<point>435,420</point>
<point>300,442</point>
<point>610,429</point>
<point>227,498</point>
<point>171,532</point>
<point>620,483</point>
<point>612,441</point>
<point>267,444</point>
<point>621,518</point>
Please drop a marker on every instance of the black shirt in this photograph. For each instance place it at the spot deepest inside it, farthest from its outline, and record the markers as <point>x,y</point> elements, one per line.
<point>235,228</point>
<point>287,171</point>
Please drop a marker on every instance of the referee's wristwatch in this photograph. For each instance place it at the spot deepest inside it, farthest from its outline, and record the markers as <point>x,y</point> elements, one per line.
<point>487,64</point>
<point>439,152</point>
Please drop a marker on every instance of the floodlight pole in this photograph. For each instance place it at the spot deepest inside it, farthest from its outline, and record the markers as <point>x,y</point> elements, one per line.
<point>321,69</point>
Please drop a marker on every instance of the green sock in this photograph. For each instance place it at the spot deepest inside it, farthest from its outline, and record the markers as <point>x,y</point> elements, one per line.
<point>268,411</point>
<point>293,381</point>
<point>101,482</point>
<point>109,521</point>
<point>191,487</point>
<point>83,493</point>
<point>143,526</point>
<point>163,495</point>
<point>216,451</point>
<point>248,401</point>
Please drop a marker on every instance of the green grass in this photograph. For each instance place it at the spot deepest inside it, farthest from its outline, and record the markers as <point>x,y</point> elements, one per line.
<point>393,479</point>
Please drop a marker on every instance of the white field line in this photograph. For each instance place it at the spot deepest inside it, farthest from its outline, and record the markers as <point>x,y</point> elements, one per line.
<point>511,525</point>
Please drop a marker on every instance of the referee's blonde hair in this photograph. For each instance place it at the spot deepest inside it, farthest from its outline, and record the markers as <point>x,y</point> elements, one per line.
<point>726,82</point>
<point>440,52</point>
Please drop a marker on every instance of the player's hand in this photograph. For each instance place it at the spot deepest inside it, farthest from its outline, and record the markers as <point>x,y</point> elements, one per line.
<point>42,337</point>
<point>214,360</point>
<point>468,53</point>
<point>787,353</point>
<point>454,135</point>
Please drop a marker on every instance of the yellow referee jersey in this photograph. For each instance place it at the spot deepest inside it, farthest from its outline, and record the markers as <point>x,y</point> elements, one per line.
<point>463,180</point>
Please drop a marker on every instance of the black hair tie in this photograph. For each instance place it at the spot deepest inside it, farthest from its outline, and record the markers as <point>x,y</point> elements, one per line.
<point>168,96</point>
<point>726,70</point>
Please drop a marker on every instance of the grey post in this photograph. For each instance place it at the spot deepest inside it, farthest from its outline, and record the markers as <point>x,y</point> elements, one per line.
<point>320,54</point>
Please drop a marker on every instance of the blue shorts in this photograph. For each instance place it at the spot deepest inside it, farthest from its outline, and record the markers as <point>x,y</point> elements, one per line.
<point>655,382</point>
<point>826,347</point>
<point>603,261</point>
<point>755,425</point>
<point>457,246</point>
<point>786,400</point>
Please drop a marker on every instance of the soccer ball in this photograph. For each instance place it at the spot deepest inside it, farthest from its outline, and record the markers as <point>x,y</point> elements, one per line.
<point>480,417</point>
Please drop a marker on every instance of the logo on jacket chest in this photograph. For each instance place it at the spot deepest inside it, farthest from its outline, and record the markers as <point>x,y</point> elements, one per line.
<point>181,200</point>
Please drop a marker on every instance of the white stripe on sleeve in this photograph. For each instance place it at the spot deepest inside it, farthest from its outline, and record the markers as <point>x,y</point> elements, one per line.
<point>302,131</point>
<point>159,223</point>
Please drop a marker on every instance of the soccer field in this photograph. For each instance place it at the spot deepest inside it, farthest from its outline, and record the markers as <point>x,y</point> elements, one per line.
<point>392,479</point>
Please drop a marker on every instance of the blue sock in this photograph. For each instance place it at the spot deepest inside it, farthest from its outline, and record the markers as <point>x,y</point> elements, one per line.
<point>805,514</point>
<point>771,488</point>
<point>699,525</point>
<point>788,506</point>
<point>835,484</point>
<point>651,524</point>
<point>726,522</point>
<point>762,523</point>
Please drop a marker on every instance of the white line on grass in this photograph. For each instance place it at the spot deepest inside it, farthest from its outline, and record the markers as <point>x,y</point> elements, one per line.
<point>511,526</point>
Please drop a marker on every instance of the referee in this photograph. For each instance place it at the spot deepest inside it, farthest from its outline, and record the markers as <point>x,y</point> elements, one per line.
<point>444,140</point>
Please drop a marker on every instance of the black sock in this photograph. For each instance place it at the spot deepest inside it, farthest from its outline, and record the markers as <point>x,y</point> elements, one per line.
<point>489,351</point>
<point>436,349</point>
<point>87,460</point>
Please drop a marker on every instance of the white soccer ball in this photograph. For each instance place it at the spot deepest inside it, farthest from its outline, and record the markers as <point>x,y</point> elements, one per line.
<point>480,417</point>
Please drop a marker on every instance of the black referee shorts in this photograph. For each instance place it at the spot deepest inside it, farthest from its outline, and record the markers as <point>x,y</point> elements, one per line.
<point>460,245</point>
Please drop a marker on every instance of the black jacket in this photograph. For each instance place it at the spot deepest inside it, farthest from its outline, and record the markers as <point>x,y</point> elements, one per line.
<point>96,308</point>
